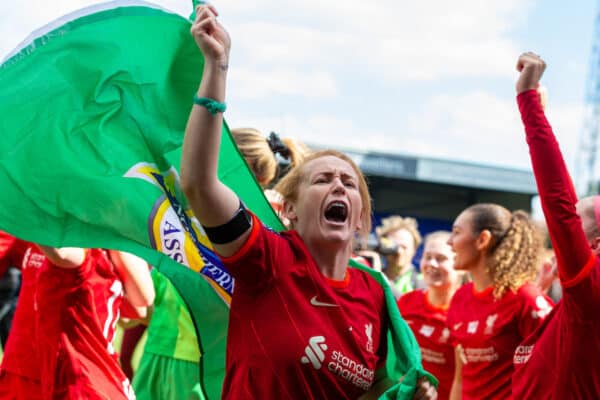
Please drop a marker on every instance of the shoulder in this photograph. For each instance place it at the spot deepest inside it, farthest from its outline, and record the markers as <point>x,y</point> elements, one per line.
<point>464,292</point>
<point>412,297</point>
<point>529,292</point>
<point>412,301</point>
<point>364,281</point>
<point>533,299</point>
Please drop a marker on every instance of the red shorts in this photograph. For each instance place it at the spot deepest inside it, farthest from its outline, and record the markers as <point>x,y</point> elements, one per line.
<point>17,387</point>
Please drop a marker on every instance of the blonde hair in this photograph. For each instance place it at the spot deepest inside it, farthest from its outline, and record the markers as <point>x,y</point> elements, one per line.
<point>437,235</point>
<point>260,157</point>
<point>255,149</point>
<point>289,185</point>
<point>514,246</point>
<point>396,223</point>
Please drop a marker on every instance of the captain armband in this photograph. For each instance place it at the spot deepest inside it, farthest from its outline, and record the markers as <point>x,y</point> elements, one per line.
<point>230,231</point>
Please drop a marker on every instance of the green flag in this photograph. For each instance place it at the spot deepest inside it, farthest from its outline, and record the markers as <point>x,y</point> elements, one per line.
<point>94,108</point>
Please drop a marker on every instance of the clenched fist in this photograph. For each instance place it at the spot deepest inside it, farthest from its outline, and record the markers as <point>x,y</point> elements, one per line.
<point>210,35</point>
<point>531,67</point>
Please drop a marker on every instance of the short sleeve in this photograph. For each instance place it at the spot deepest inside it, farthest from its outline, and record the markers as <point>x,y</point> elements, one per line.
<point>254,264</point>
<point>536,307</point>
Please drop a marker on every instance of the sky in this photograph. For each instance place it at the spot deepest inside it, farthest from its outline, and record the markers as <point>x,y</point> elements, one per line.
<point>431,78</point>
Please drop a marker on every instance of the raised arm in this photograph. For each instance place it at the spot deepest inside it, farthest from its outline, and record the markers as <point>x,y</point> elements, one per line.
<point>137,282</point>
<point>213,203</point>
<point>553,181</point>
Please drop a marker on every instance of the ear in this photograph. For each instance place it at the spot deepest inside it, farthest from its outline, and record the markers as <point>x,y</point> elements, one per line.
<point>360,222</point>
<point>289,211</point>
<point>484,240</point>
<point>595,243</point>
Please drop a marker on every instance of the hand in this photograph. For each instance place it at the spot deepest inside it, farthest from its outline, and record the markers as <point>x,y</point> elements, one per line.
<point>547,275</point>
<point>425,390</point>
<point>531,67</point>
<point>210,36</point>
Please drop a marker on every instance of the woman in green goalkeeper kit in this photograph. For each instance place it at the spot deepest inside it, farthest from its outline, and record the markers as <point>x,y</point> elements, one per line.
<point>169,368</point>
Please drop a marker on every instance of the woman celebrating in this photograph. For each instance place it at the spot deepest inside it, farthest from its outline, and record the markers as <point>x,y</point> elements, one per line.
<point>426,310</point>
<point>560,360</point>
<point>302,324</point>
<point>490,316</point>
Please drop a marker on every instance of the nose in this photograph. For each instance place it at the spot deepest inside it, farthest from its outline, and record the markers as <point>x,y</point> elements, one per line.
<point>338,185</point>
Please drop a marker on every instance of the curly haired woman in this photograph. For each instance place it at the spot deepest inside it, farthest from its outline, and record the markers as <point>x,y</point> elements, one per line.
<point>489,317</point>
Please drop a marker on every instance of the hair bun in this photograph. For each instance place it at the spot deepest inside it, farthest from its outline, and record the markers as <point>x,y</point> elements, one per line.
<point>277,146</point>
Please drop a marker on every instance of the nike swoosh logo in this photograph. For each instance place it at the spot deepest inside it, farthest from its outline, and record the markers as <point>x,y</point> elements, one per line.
<point>318,303</point>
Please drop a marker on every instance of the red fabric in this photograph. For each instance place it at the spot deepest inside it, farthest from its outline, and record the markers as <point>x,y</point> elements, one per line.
<point>428,323</point>
<point>77,311</point>
<point>20,355</point>
<point>11,251</point>
<point>489,331</point>
<point>16,387</point>
<point>560,360</point>
<point>280,346</point>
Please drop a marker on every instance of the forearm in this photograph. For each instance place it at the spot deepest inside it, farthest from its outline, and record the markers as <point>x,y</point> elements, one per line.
<point>456,390</point>
<point>65,257</point>
<point>212,202</point>
<point>137,282</point>
<point>555,187</point>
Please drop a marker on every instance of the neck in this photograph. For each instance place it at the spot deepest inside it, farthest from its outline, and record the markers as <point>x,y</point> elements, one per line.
<point>481,277</point>
<point>332,261</point>
<point>439,296</point>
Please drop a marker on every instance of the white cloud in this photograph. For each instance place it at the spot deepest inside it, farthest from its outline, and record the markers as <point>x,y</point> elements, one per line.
<point>248,83</point>
<point>476,127</point>
<point>399,41</point>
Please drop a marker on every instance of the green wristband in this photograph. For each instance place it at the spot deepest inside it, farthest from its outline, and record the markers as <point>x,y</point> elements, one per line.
<point>211,105</point>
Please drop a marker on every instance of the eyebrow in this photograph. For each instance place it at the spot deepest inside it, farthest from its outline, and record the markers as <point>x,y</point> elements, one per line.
<point>329,174</point>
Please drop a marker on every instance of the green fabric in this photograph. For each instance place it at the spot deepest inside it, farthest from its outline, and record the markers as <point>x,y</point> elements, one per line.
<point>93,115</point>
<point>165,378</point>
<point>405,282</point>
<point>404,354</point>
<point>171,332</point>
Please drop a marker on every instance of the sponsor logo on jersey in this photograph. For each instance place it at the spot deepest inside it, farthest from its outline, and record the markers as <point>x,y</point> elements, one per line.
<point>175,231</point>
<point>316,353</point>
<point>522,354</point>
<point>32,259</point>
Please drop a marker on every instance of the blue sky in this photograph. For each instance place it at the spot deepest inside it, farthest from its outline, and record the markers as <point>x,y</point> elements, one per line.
<point>432,78</point>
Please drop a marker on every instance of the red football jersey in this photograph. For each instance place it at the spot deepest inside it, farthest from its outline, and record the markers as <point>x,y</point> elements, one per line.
<point>77,311</point>
<point>293,333</point>
<point>428,323</point>
<point>560,360</point>
<point>488,331</point>
<point>11,251</point>
<point>20,355</point>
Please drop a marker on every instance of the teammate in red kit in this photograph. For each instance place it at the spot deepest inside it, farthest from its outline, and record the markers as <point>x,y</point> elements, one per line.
<point>302,324</point>
<point>426,310</point>
<point>77,301</point>
<point>490,316</point>
<point>19,371</point>
<point>560,360</point>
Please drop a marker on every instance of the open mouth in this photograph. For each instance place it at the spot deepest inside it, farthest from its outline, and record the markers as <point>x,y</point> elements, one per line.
<point>336,211</point>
